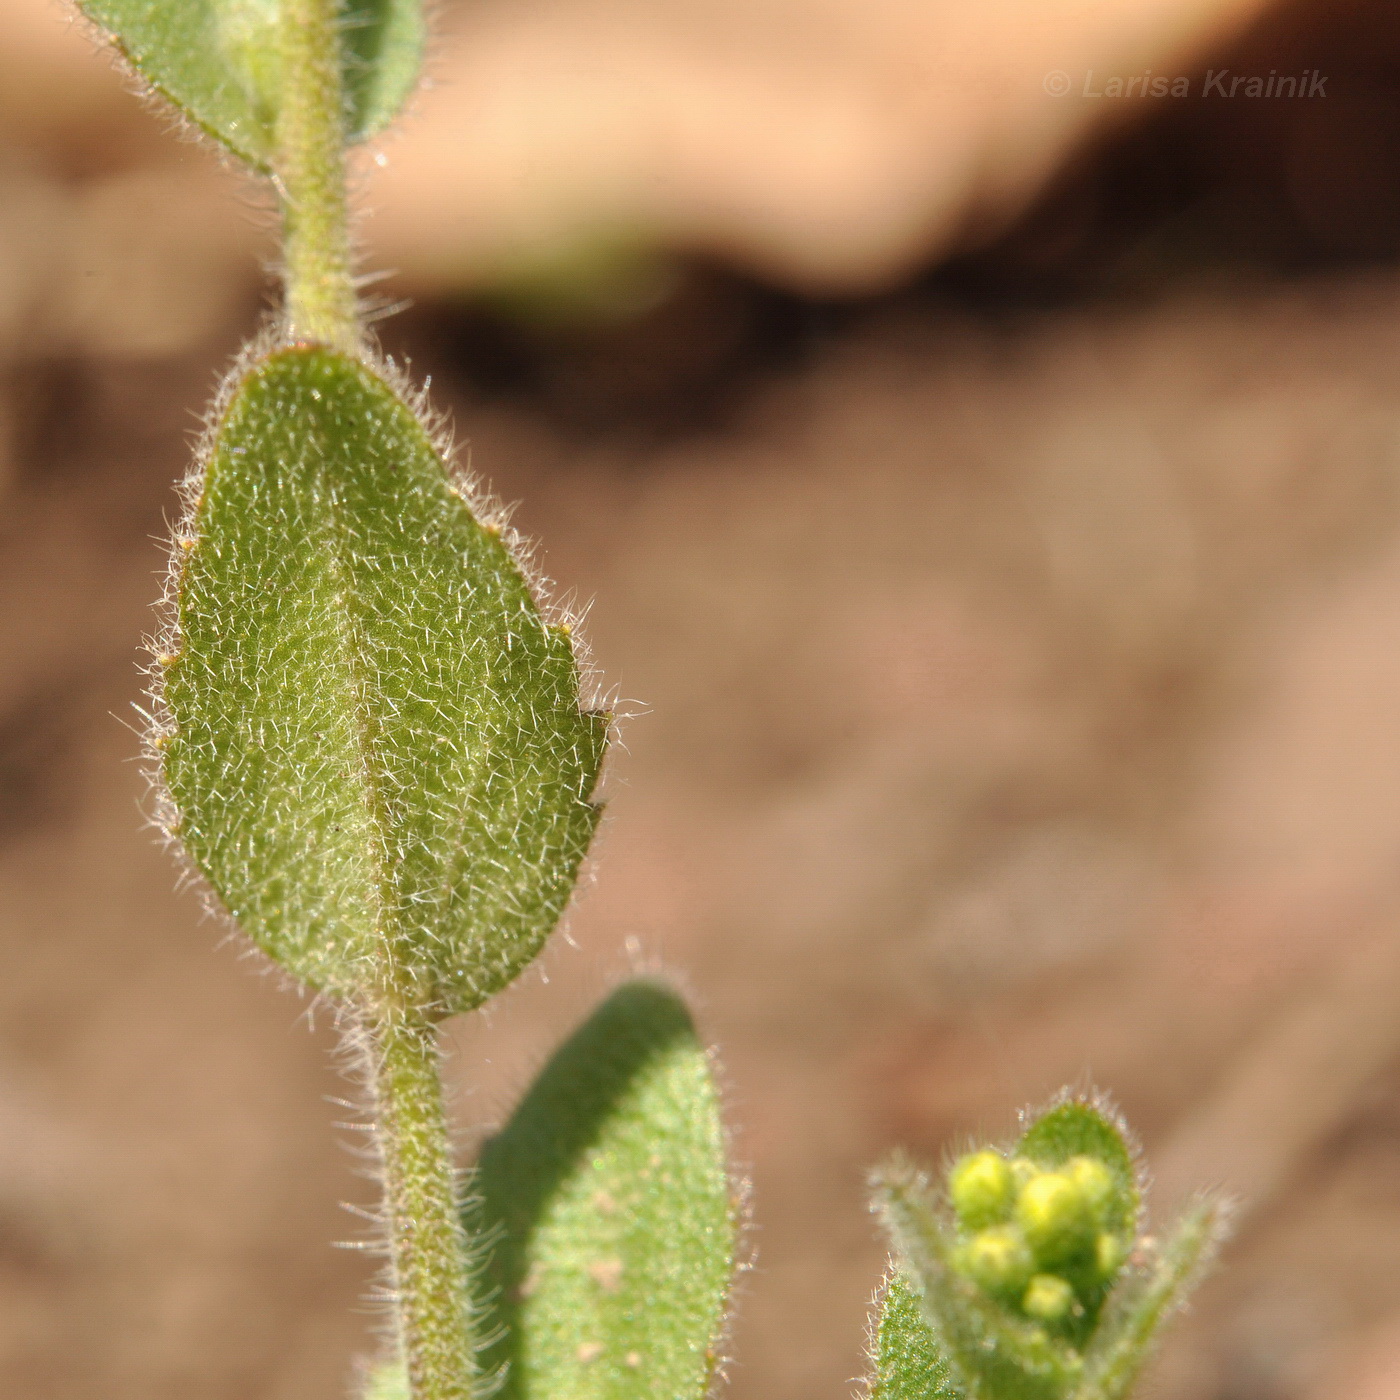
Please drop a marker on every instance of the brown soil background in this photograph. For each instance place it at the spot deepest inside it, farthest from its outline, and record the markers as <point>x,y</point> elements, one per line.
<point>1013,670</point>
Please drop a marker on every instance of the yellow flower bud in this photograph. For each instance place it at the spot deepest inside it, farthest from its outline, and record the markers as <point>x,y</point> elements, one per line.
<point>1048,1298</point>
<point>1056,1217</point>
<point>1110,1253</point>
<point>997,1260</point>
<point>1095,1181</point>
<point>981,1189</point>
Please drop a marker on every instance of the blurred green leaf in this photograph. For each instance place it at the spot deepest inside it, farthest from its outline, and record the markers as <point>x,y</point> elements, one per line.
<point>218,61</point>
<point>384,41</point>
<point>906,1360</point>
<point>377,752</point>
<point>610,1196</point>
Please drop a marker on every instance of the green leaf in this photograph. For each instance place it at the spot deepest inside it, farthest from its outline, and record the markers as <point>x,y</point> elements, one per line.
<point>1083,1128</point>
<point>906,1361</point>
<point>611,1197</point>
<point>384,42</point>
<point>1143,1302</point>
<point>218,62</point>
<point>606,1210</point>
<point>376,751</point>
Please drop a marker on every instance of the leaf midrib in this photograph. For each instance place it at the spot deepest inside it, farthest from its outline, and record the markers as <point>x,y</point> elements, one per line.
<point>365,725</point>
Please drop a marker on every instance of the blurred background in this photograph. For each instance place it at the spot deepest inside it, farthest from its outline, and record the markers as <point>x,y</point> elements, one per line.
<point>985,491</point>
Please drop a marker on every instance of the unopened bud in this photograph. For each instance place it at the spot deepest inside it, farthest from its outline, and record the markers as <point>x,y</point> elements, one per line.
<point>1110,1254</point>
<point>1095,1181</point>
<point>1056,1217</point>
<point>981,1189</point>
<point>1048,1298</point>
<point>997,1260</point>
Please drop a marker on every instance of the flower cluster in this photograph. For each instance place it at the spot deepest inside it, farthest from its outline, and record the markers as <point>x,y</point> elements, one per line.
<point>1025,1277</point>
<point>1048,1241</point>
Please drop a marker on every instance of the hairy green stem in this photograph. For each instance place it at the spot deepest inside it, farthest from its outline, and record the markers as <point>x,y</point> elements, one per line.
<point>310,169</point>
<point>428,1243</point>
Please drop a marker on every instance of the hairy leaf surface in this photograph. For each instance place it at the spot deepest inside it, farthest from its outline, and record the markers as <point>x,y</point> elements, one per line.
<point>906,1361</point>
<point>609,1199</point>
<point>217,61</point>
<point>378,755</point>
<point>1148,1298</point>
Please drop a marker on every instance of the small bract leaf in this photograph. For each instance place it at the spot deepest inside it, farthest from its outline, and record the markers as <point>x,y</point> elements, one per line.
<point>906,1360</point>
<point>1134,1317</point>
<point>377,750</point>
<point>218,61</point>
<point>610,1200</point>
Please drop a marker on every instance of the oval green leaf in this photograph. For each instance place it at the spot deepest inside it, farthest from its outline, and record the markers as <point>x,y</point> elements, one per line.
<point>217,61</point>
<point>609,1200</point>
<point>375,748</point>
